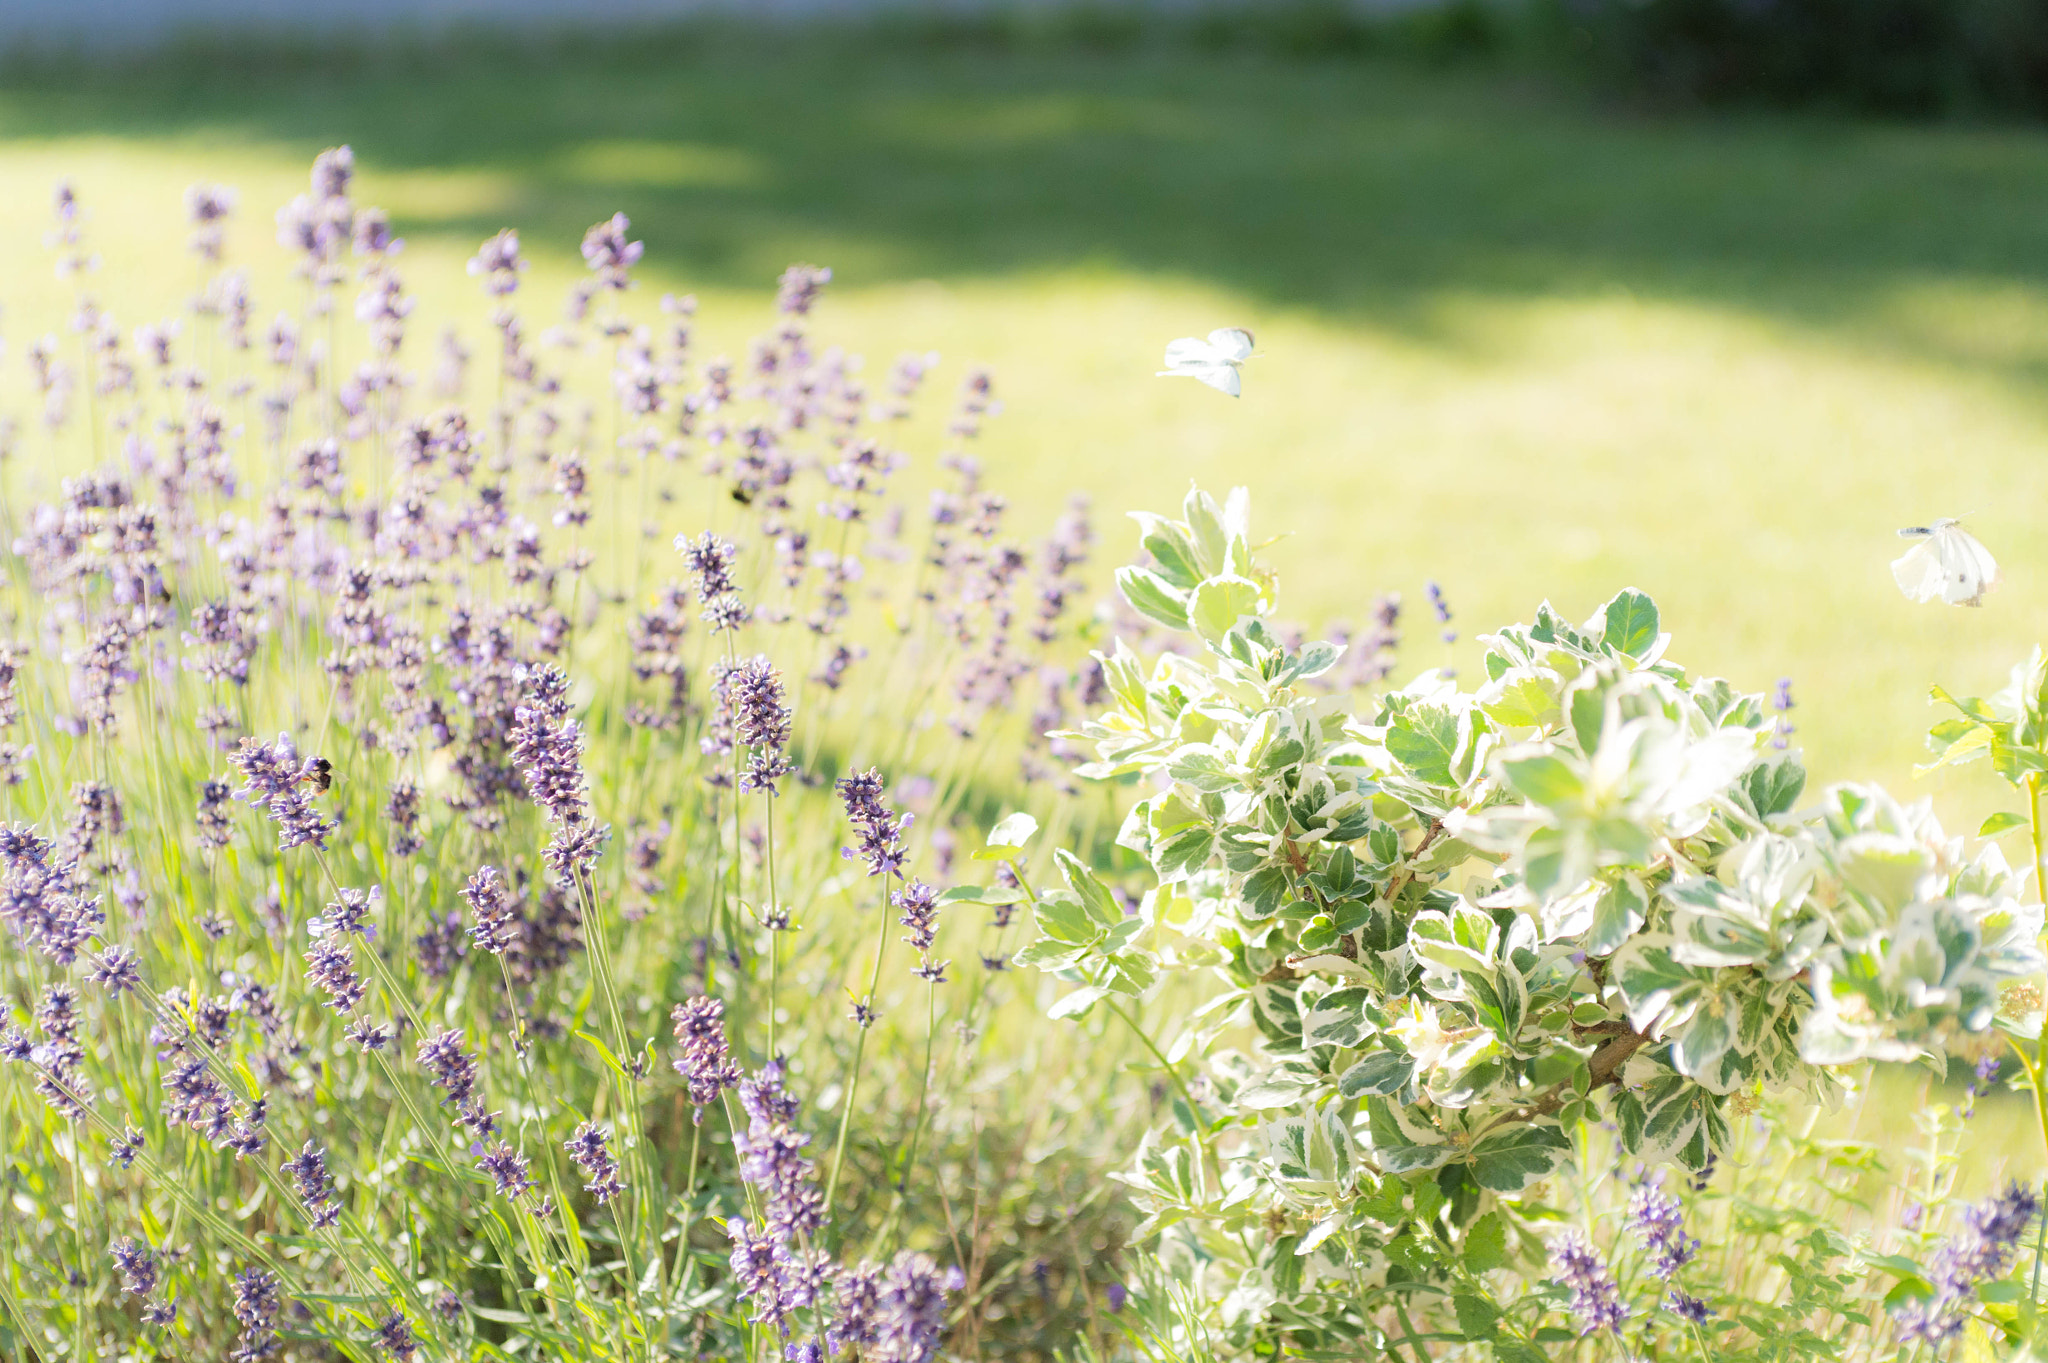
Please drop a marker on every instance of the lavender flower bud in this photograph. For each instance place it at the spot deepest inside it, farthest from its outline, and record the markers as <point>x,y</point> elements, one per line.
<point>136,1263</point>
<point>920,905</point>
<point>395,1337</point>
<point>117,971</point>
<point>760,717</point>
<point>586,1145</point>
<point>402,810</point>
<point>910,1313</point>
<point>1658,1220</point>
<point>710,560</point>
<point>215,828</point>
<point>1687,1307</point>
<point>760,720</point>
<point>126,1148</point>
<point>797,291</point>
<point>507,1168</point>
<point>706,1063</point>
<point>448,1065</point>
<point>256,1307</point>
<point>308,1172</point>
<point>331,966</point>
<point>548,747</point>
<point>773,1163</point>
<point>493,924</point>
<point>1783,704</point>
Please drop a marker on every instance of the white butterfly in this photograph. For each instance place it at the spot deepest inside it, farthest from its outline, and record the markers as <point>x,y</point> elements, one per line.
<point>1213,361</point>
<point>1948,562</point>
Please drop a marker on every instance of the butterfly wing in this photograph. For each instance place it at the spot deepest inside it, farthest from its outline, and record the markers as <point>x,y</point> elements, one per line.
<point>1987,566</point>
<point>1213,361</point>
<point>1967,568</point>
<point>1231,344</point>
<point>1222,377</point>
<point>1187,352</point>
<point>1918,571</point>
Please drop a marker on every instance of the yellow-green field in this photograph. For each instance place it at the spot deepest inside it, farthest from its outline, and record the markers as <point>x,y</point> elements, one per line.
<point>1512,342</point>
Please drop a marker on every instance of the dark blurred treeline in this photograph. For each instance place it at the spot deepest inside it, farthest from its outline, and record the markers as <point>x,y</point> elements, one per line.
<point>1982,59</point>
<point>1902,58</point>
<point>1916,58</point>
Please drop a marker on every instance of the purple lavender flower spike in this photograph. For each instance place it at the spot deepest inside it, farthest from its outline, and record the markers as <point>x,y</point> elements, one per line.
<point>1658,1220</point>
<point>609,255</point>
<point>498,263</point>
<point>1596,1301</point>
<point>880,830</point>
<point>126,1148</point>
<point>761,721</point>
<point>331,966</point>
<point>117,971</point>
<point>449,1066</point>
<point>797,291</point>
<point>1981,1251</point>
<point>706,1063</point>
<point>275,777</point>
<point>1783,704</point>
<point>710,560</point>
<point>207,207</point>
<point>910,1315</point>
<point>256,1307</point>
<point>1687,1307</point>
<point>1442,609</point>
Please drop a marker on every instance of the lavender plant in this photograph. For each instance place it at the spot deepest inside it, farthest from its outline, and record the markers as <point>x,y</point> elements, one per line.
<point>426,934</point>
<point>1416,953</point>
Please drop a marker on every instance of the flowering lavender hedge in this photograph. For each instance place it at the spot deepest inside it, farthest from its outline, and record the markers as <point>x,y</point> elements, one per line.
<point>447,919</point>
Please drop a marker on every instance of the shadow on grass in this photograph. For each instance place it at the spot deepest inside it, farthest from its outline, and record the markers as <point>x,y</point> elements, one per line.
<point>1356,188</point>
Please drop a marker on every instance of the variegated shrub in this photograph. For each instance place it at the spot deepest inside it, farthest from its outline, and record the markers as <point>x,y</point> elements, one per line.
<point>1459,925</point>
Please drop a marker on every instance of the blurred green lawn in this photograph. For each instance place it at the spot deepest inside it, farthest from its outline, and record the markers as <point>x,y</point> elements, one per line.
<point>1511,341</point>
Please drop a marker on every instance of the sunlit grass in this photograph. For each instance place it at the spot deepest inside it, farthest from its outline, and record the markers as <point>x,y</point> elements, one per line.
<point>1509,342</point>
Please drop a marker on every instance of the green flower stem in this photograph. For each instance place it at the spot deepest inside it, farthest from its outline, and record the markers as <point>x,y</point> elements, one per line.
<point>1172,1071</point>
<point>689,1210</point>
<point>924,1084</point>
<point>859,1050</point>
<point>396,994</point>
<point>225,1074</point>
<point>350,1232</point>
<point>767,912</point>
<point>577,1254</point>
<point>78,1215</point>
<point>629,1108</point>
<point>2040,1244</point>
